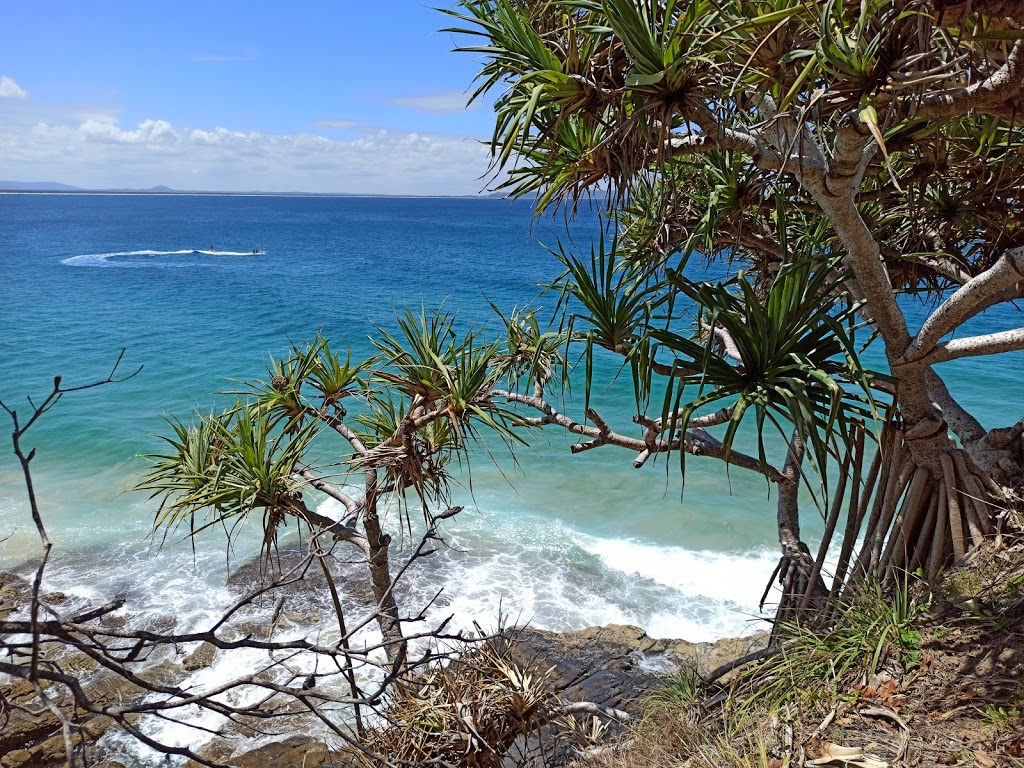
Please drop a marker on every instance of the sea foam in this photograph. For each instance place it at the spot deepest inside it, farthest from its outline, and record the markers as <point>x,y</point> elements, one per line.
<point>103,259</point>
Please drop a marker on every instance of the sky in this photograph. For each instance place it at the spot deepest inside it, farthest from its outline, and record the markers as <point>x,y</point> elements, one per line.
<point>309,95</point>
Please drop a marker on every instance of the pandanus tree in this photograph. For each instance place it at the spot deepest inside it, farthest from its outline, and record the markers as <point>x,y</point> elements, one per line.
<point>417,405</point>
<point>841,159</point>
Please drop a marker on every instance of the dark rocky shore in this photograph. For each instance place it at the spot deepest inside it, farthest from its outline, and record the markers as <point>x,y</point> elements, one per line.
<point>612,666</point>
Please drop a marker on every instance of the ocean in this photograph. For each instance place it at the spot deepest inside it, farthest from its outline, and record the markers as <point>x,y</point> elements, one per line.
<point>557,540</point>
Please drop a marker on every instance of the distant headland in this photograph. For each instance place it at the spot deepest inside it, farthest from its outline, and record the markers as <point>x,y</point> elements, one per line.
<point>57,187</point>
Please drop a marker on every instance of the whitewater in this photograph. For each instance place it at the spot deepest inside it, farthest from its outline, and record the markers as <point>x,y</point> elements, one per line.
<point>555,540</point>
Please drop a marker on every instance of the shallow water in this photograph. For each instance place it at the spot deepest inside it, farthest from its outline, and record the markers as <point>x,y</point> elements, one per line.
<point>562,541</point>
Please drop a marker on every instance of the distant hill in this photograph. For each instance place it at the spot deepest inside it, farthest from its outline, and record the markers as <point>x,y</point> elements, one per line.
<point>37,186</point>
<point>55,186</point>
<point>161,189</point>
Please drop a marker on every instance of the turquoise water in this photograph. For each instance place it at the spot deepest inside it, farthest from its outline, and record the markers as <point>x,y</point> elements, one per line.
<point>563,541</point>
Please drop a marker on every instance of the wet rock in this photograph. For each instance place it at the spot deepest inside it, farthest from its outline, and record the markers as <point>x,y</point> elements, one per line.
<point>596,664</point>
<point>112,690</point>
<point>114,621</point>
<point>79,665</point>
<point>15,594</point>
<point>312,587</point>
<point>164,673</point>
<point>164,624</point>
<point>617,664</point>
<point>201,658</point>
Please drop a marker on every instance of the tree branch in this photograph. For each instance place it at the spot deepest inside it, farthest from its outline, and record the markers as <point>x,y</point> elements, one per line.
<point>967,301</point>
<point>976,346</point>
<point>1004,84</point>
<point>696,442</point>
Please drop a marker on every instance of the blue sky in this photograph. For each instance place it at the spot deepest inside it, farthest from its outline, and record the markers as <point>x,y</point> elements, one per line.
<point>314,96</point>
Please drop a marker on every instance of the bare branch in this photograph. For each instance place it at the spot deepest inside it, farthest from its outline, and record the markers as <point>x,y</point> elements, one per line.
<point>696,442</point>
<point>976,346</point>
<point>351,505</point>
<point>968,300</point>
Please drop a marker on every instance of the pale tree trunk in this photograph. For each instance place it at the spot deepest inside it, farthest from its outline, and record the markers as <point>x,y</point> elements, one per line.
<point>933,500</point>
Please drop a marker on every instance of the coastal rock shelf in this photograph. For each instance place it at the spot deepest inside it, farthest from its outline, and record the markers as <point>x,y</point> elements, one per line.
<point>612,666</point>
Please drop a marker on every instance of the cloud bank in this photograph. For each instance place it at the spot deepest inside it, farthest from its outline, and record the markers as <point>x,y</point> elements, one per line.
<point>97,152</point>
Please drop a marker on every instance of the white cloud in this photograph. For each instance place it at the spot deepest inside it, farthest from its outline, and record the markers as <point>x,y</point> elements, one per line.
<point>10,89</point>
<point>447,103</point>
<point>98,152</point>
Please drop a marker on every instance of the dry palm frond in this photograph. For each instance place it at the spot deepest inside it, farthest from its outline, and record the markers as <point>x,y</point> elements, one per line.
<point>468,712</point>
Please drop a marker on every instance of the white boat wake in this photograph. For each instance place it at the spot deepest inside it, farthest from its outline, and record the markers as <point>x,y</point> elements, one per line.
<point>103,259</point>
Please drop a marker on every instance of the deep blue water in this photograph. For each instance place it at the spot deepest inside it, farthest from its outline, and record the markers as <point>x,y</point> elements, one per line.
<point>566,541</point>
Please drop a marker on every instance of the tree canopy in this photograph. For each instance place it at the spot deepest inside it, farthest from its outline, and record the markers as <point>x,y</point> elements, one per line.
<point>872,147</point>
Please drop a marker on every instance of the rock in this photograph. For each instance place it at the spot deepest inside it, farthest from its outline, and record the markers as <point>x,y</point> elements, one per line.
<point>39,734</point>
<point>79,665</point>
<point>52,751</point>
<point>96,727</point>
<point>729,649</point>
<point>114,621</point>
<point>596,664</point>
<point>16,759</point>
<point>22,730</point>
<point>200,658</point>
<point>293,752</point>
<point>19,691</point>
<point>109,764</point>
<point>165,624</point>
<point>166,672</point>
<point>260,629</point>
<point>616,664</point>
<point>112,690</point>
<point>15,593</point>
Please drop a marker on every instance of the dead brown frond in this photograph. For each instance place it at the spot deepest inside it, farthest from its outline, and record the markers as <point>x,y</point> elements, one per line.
<point>467,712</point>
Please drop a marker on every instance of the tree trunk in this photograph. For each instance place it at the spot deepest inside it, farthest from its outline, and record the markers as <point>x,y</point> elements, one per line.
<point>380,574</point>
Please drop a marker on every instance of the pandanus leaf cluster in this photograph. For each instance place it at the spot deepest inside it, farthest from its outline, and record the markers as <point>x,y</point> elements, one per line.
<point>419,402</point>
<point>784,355</point>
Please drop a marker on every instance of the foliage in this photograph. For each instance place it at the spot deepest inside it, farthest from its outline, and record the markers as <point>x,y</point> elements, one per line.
<point>822,159</point>
<point>595,91</point>
<point>785,354</point>
<point>420,402</point>
<point>871,630</point>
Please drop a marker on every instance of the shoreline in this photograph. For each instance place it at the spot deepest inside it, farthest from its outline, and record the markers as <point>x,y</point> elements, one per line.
<point>613,666</point>
<point>201,193</point>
